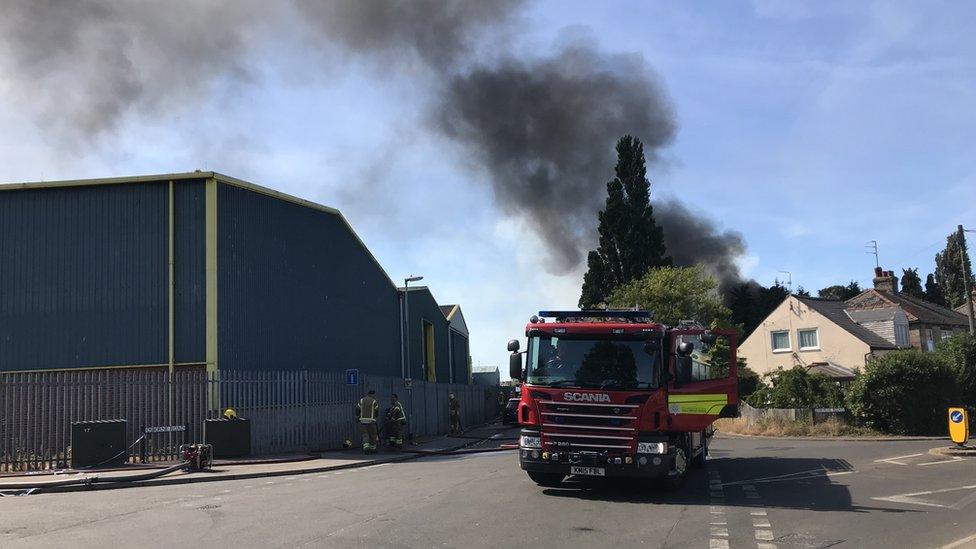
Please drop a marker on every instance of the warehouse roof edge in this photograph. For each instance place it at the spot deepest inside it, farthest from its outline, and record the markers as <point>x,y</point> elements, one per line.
<point>180,176</point>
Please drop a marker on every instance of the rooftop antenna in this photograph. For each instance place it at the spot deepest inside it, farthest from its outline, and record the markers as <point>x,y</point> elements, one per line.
<point>789,280</point>
<point>872,247</point>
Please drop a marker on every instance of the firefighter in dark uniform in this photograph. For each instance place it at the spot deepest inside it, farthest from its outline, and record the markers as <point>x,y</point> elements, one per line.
<point>367,411</point>
<point>396,418</point>
<point>455,408</point>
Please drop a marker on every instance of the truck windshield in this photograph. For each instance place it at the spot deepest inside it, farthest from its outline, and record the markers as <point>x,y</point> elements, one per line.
<point>593,363</point>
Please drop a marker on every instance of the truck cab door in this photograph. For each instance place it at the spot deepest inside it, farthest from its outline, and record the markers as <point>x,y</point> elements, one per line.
<point>704,383</point>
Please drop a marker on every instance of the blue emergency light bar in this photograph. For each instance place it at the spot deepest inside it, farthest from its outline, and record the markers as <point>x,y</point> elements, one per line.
<point>598,313</point>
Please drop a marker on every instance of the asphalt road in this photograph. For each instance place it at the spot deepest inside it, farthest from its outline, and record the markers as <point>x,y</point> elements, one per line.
<point>755,493</point>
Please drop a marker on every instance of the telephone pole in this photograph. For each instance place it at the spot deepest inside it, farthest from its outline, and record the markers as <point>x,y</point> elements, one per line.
<point>964,259</point>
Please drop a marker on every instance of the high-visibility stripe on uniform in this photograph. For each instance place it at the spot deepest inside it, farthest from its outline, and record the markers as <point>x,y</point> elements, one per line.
<point>397,408</point>
<point>370,415</point>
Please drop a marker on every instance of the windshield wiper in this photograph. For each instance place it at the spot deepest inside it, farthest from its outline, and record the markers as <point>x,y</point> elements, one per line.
<point>560,382</point>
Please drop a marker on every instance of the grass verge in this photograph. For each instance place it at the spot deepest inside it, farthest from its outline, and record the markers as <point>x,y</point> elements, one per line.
<point>772,427</point>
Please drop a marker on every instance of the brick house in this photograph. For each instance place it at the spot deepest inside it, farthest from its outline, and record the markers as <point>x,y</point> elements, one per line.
<point>925,323</point>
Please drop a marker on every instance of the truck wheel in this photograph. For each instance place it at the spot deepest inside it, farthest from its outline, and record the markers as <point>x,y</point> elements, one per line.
<point>550,480</point>
<point>698,462</point>
<point>676,477</point>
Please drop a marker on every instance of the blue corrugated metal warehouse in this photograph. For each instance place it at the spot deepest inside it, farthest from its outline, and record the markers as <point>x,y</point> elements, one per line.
<point>202,269</point>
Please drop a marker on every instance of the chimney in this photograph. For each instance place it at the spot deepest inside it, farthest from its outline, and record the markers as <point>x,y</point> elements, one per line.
<point>885,281</point>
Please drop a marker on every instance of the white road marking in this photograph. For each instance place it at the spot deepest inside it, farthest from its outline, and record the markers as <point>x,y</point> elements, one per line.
<point>718,530</point>
<point>799,475</point>
<point>892,459</point>
<point>913,498</point>
<point>952,459</point>
<point>960,542</point>
<point>765,546</point>
<point>764,535</point>
<point>760,523</point>
<point>758,513</point>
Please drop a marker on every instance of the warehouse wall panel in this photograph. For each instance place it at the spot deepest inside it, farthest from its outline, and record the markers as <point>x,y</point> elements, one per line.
<point>190,258</point>
<point>83,276</point>
<point>423,307</point>
<point>460,352</point>
<point>296,290</point>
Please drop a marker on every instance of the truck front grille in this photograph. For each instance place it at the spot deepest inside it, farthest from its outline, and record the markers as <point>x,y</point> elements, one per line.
<point>603,428</point>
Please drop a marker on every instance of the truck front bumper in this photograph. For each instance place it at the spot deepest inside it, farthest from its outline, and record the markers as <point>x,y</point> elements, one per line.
<point>643,465</point>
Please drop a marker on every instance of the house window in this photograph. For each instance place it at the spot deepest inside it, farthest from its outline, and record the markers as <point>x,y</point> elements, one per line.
<point>929,340</point>
<point>945,333</point>
<point>808,339</point>
<point>901,335</point>
<point>781,341</point>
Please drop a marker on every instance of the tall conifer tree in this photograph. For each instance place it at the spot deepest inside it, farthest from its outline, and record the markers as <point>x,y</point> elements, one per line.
<point>630,240</point>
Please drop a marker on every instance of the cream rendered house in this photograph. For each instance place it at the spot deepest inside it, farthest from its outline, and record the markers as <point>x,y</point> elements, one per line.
<point>820,335</point>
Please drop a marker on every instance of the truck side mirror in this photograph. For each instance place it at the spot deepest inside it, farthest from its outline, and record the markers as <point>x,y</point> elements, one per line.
<point>709,338</point>
<point>515,364</point>
<point>513,345</point>
<point>684,349</point>
<point>682,370</point>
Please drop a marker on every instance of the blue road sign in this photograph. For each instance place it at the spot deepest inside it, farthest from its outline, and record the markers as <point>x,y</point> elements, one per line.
<point>352,377</point>
<point>956,417</point>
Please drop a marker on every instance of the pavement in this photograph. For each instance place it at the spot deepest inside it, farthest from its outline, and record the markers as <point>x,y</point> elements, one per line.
<point>756,493</point>
<point>248,468</point>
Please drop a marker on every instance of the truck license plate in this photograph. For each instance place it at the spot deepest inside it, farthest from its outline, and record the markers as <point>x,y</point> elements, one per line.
<point>591,471</point>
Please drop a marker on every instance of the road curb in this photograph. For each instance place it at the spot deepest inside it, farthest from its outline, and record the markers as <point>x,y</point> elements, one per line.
<point>953,451</point>
<point>826,439</point>
<point>218,477</point>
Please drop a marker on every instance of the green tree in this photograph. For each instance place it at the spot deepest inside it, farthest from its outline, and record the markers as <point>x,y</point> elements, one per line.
<point>949,270</point>
<point>631,242</point>
<point>748,380</point>
<point>959,352</point>
<point>911,284</point>
<point>841,293</point>
<point>751,303</point>
<point>802,292</point>
<point>673,294</point>
<point>905,393</point>
<point>797,388</point>
<point>933,292</point>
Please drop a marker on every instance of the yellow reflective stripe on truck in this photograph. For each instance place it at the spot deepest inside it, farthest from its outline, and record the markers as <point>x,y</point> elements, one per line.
<point>709,404</point>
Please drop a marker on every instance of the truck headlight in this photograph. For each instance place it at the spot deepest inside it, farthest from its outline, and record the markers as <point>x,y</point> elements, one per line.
<point>529,441</point>
<point>652,447</point>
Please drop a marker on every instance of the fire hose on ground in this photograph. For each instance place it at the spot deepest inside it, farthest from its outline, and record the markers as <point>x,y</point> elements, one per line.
<point>92,479</point>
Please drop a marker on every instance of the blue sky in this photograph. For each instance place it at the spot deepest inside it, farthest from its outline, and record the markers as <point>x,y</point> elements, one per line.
<point>810,128</point>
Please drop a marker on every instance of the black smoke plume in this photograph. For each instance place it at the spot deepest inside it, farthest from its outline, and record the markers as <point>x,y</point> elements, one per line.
<point>692,239</point>
<point>542,127</point>
<point>545,129</point>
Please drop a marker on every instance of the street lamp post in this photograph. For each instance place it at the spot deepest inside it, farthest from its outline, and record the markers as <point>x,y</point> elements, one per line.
<point>405,363</point>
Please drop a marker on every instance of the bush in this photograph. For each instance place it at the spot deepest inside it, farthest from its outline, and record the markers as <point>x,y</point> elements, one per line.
<point>796,388</point>
<point>959,352</point>
<point>904,392</point>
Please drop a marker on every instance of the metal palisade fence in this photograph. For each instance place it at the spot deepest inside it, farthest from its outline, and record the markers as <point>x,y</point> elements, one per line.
<point>290,411</point>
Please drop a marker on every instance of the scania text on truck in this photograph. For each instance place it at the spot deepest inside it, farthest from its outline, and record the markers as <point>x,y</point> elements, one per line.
<point>613,394</point>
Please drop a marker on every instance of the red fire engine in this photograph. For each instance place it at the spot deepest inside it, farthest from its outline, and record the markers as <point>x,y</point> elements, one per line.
<point>613,394</point>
